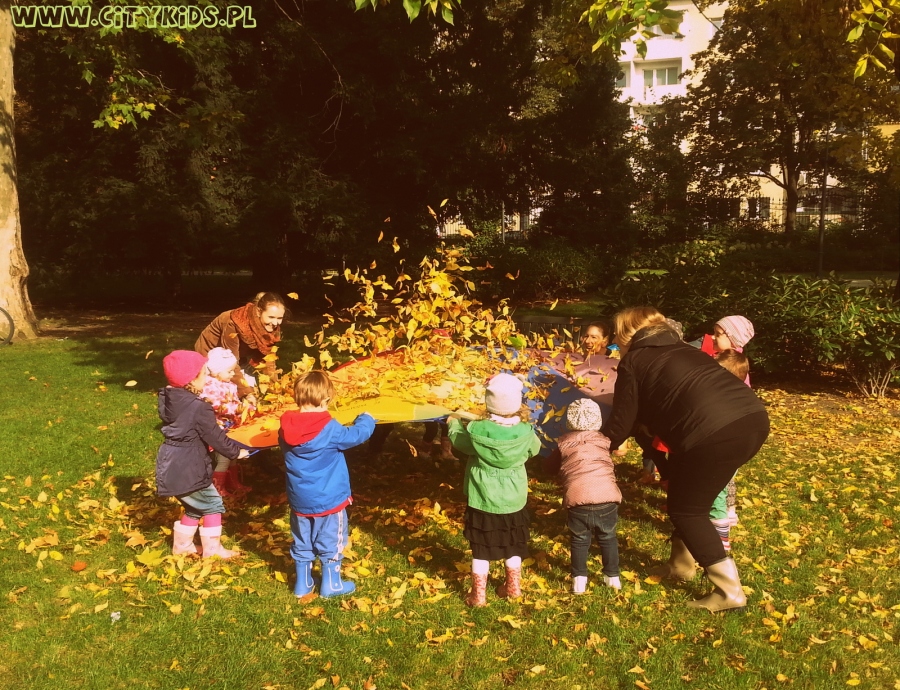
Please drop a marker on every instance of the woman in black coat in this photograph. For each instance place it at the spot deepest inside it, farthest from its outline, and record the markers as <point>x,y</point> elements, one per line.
<point>712,424</point>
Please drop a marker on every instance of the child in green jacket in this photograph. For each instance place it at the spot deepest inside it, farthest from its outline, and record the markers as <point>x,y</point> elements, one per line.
<point>496,486</point>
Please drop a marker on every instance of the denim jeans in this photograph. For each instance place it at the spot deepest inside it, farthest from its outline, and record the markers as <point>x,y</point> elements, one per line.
<point>202,502</point>
<point>599,521</point>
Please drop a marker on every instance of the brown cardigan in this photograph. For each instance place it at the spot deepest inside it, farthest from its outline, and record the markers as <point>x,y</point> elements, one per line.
<point>223,333</point>
<point>585,469</point>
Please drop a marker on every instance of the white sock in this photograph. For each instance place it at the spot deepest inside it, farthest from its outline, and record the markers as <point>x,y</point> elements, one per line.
<point>613,582</point>
<point>480,567</point>
<point>579,584</point>
<point>514,563</point>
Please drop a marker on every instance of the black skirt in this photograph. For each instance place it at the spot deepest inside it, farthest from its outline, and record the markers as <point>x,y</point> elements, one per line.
<point>497,537</point>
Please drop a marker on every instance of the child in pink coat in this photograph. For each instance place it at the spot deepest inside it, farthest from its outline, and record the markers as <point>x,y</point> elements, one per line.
<point>220,392</point>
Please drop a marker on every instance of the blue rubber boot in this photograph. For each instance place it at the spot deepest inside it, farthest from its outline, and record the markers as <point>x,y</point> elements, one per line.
<point>332,585</point>
<point>305,584</point>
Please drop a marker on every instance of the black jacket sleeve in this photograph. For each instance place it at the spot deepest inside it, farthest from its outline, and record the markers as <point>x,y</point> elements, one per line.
<point>625,407</point>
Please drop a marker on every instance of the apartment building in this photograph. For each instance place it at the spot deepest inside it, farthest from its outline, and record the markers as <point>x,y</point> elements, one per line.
<point>659,75</point>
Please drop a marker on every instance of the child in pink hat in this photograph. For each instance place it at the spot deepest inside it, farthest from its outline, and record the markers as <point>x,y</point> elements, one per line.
<point>183,466</point>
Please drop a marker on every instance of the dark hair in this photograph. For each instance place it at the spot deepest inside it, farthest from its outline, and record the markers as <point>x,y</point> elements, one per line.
<point>735,362</point>
<point>264,300</point>
<point>604,327</point>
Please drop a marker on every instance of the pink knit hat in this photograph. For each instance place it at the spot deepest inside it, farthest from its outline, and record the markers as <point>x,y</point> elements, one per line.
<point>738,329</point>
<point>183,366</point>
<point>220,359</point>
<point>503,395</point>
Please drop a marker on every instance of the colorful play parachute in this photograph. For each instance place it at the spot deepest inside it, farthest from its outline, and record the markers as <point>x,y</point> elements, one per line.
<point>413,351</point>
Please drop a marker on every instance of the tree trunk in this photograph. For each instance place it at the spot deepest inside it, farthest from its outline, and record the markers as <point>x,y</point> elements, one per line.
<point>13,269</point>
<point>791,198</point>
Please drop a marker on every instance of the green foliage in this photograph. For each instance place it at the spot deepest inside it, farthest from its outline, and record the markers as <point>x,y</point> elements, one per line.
<point>617,21</point>
<point>540,268</point>
<point>801,323</point>
<point>291,154</point>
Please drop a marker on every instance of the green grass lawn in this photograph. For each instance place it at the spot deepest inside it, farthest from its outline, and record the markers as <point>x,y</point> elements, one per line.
<point>92,598</point>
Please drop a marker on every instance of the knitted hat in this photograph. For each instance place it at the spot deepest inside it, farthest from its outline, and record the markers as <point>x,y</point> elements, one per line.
<point>738,329</point>
<point>220,360</point>
<point>503,395</point>
<point>183,366</point>
<point>584,415</point>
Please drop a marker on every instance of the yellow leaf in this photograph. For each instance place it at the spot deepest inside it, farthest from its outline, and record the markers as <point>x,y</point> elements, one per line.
<point>280,576</point>
<point>381,235</point>
<point>362,570</point>
<point>130,384</point>
<point>318,684</point>
<point>537,669</point>
<point>147,356</point>
<point>42,497</point>
<point>853,681</point>
<point>636,669</point>
<point>150,557</point>
<point>553,306</point>
<point>174,665</point>
<point>293,295</point>
<point>395,246</point>
<point>175,609</point>
<point>444,202</point>
<point>99,607</point>
<point>56,555</point>
<point>781,678</point>
<point>374,264</point>
<point>465,232</point>
<point>513,623</point>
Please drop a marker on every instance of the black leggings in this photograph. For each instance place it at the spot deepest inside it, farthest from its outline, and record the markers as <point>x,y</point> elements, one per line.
<point>698,475</point>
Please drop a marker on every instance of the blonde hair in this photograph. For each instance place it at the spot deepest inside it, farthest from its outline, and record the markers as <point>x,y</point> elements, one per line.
<point>313,389</point>
<point>735,362</point>
<point>630,321</point>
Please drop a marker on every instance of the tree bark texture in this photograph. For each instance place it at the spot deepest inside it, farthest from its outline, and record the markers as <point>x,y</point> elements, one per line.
<point>13,268</point>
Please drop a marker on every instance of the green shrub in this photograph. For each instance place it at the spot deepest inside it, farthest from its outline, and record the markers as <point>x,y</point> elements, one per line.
<point>800,323</point>
<point>540,270</point>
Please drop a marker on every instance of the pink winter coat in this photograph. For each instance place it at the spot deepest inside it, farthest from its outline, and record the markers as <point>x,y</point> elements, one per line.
<point>585,469</point>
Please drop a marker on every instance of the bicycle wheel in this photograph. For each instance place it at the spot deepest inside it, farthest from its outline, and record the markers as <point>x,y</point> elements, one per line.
<point>7,327</point>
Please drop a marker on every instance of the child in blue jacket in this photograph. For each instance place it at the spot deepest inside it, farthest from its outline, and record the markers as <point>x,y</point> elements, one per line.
<point>318,483</point>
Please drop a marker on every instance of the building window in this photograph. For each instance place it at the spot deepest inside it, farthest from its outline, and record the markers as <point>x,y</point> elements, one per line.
<point>622,80</point>
<point>759,207</point>
<point>662,76</point>
<point>716,25</point>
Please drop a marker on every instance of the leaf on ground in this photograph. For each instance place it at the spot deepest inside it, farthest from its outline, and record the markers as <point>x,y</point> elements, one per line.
<point>150,557</point>
<point>513,623</point>
<point>78,566</point>
<point>293,295</point>
<point>130,384</point>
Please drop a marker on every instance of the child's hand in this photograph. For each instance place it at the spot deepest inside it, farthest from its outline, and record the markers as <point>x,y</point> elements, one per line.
<point>243,454</point>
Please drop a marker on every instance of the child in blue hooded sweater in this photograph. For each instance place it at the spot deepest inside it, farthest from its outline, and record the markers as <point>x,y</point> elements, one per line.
<point>318,482</point>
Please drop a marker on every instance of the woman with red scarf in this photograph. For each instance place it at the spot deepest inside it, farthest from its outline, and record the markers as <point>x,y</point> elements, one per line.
<point>249,332</point>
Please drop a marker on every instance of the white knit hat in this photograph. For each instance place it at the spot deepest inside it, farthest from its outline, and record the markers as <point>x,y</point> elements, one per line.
<point>219,360</point>
<point>584,415</point>
<point>503,395</point>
